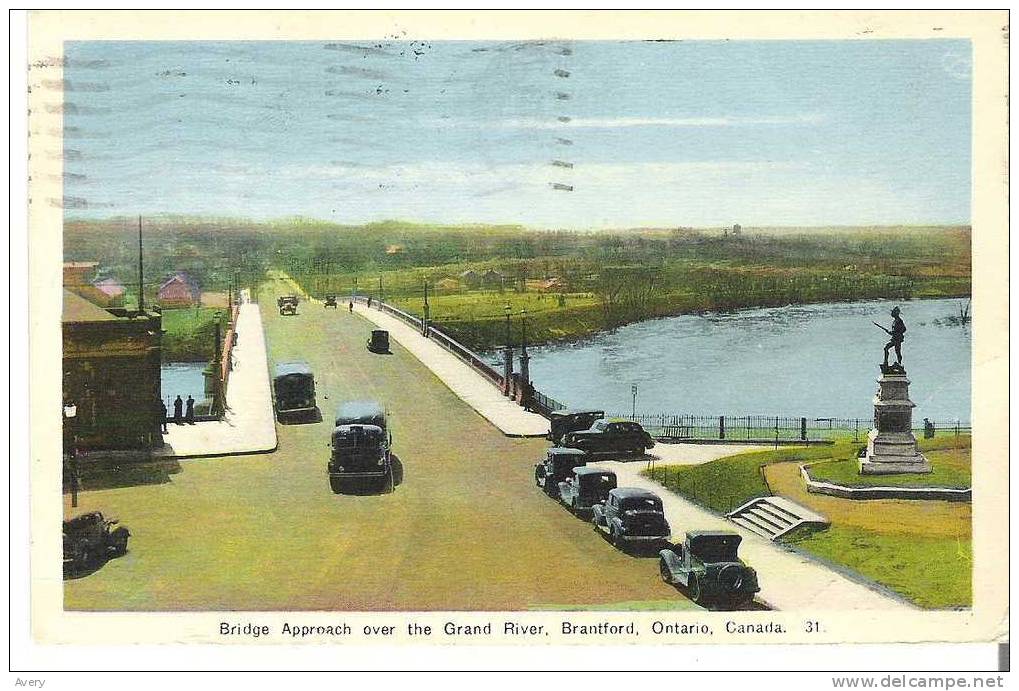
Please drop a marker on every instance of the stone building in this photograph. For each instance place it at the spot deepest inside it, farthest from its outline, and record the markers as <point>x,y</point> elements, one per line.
<point>111,376</point>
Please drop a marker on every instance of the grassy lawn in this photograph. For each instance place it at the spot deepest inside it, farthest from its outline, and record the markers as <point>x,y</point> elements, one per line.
<point>951,469</point>
<point>722,485</point>
<point>932,571</point>
<point>189,333</point>
<point>920,549</point>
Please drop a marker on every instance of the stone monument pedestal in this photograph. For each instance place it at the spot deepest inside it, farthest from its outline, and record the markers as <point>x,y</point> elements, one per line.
<point>891,446</point>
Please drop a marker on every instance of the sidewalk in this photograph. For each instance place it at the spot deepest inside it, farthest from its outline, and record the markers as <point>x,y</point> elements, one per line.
<point>788,580</point>
<point>249,425</point>
<point>474,389</point>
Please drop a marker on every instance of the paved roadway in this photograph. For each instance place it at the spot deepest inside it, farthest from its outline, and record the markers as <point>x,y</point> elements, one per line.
<point>466,530</point>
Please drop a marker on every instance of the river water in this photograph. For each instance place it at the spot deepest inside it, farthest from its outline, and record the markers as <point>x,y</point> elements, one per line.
<point>183,379</point>
<point>804,360</point>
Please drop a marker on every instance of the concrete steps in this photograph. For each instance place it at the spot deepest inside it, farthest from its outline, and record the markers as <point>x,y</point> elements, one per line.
<point>774,517</point>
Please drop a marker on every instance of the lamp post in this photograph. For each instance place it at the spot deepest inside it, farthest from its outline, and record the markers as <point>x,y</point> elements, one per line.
<point>71,470</point>
<point>380,290</point>
<point>424,323</point>
<point>525,359</point>
<point>633,390</point>
<point>507,357</point>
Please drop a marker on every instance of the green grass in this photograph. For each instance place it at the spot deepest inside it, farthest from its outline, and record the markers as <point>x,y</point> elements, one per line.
<point>932,572</point>
<point>189,333</point>
<point>951,469</point>
<point>722,485</point>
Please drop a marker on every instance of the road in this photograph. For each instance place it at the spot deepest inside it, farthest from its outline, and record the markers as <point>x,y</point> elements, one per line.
<point>466,530</point>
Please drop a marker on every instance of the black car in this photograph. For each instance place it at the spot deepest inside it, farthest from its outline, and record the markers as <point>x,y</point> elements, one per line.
<point>379,342</point>
<point>90,539</point>
<point>294,391</point>
<point>561,422</point>
<point>708,567</point>
<point>361,446</point>
<point>631,516</point>
<point>615,436</point>
<point>330,302</point>
<point>557,465</point>
<point>585,487</point>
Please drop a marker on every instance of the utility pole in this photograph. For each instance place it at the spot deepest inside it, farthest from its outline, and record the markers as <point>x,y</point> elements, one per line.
<point>380,289</point>
<point>141,271</point>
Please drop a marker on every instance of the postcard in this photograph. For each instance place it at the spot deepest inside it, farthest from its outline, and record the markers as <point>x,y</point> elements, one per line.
<point>518,328</point>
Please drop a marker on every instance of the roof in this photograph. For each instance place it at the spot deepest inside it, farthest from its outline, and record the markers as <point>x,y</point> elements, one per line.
<point>286,368</point>
<point>592,470</point>
<point>577,412</point>
<point>359,409</point>
<point>694,534</point>
<point>628,492</point>
<point>80,265</point>
<point>78,310</point>
<point>110,286</point>
<point>182,277</point>
<point>564,451</point>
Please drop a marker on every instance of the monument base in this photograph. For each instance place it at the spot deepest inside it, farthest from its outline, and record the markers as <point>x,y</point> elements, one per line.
<point>894,465</point>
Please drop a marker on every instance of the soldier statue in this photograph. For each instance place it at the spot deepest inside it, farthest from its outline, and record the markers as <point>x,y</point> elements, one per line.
<point>898,334</point>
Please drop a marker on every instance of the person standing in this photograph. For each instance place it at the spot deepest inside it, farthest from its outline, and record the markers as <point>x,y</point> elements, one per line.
<point>178,409</point>
<point>189,411</point>
<point>162,416</point>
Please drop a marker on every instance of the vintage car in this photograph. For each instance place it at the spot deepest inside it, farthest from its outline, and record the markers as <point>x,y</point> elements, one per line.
<point>631,516</point>
<point>379,342</point>
<point>90,539</point>
<point>294,391</point>
<point>611,436</point>
<point>708,566</point>
<point>585,487</point>
<point>361,446</point>
<point>287,304</point>
<point>331,302</point>
<point>562,422</point>
<point>557,465</point>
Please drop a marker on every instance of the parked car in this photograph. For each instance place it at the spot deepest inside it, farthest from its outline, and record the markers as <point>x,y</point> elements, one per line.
<point>562,422</point>
<point>331,302</point>
<point>708,566</point>
<point>615,436</point>
<point>90,538</point>
<point>585,487</point>
<point>294,391</point>
<point>379,342</point>
<point>361,446</point>
<point>557,465</point>
<point>631,516</point>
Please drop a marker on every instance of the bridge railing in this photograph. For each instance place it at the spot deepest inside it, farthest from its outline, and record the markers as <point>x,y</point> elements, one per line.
<point>441,338</point>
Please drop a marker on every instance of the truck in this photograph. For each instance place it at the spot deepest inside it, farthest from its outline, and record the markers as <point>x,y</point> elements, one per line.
<point>293,389</point>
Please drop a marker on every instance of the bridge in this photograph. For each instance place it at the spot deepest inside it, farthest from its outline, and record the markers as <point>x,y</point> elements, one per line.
<point>465,528</point>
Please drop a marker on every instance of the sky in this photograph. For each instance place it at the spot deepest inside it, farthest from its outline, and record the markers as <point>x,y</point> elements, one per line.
<point>577,134</point>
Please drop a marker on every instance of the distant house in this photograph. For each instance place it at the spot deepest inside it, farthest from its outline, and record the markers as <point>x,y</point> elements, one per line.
<point>492,278</point>
<point>112,292</point>
<point>77,274</point>
<point>551,285</point>
<point>179,290</point>
<point>737,229</point>
<point>470,278</point>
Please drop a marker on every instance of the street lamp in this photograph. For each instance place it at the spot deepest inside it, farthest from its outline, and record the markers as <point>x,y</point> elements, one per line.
<point>523,332</point>
<point>508,311</point>
<point>633,390</point>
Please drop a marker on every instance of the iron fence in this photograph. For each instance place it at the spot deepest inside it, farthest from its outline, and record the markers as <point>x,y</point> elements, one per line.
<point>764,427</point>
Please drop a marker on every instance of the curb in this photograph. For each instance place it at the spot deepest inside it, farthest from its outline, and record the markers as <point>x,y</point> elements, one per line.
<point>865,493</point>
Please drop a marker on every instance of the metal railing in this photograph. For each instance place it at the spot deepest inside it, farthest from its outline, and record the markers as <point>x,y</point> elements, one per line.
<point>441,338</point>
<point>764,427</point>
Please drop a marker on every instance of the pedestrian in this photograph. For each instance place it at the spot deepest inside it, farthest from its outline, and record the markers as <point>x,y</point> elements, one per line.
<point>178,409</point>
<point>189,411</point>
<point>928,429</point>
<point>162,416</point>
<point>369,302</point>
<point>350,306</point>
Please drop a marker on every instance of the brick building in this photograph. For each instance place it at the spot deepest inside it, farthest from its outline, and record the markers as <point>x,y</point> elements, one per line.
<point>111,375</point>
<point>180,290</point>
